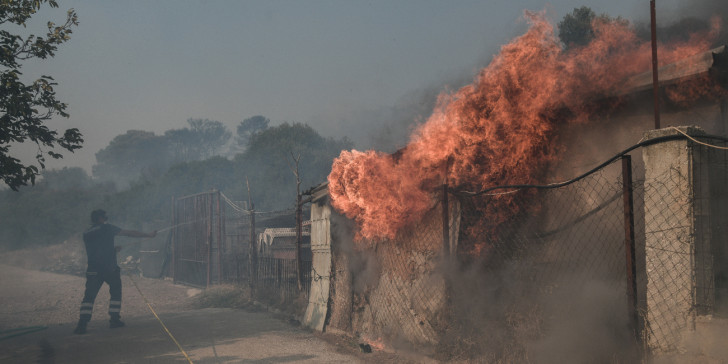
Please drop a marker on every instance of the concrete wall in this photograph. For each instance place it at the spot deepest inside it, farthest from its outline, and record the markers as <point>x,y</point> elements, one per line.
<point>318,297</point>
<point>389,291</point>
<point>685,212</point>
<point>670,240</point>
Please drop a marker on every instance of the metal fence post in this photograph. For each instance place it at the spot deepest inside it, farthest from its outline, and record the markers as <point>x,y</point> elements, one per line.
<point>629,247</point>
<point>208,203</point>
<point>173,244</point>
<point>299,237</point>
<point>220,238</point>
<point>252,251</point>
<point>445,222</point>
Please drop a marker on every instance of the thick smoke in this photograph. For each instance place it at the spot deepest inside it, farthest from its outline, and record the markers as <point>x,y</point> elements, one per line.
<point>530,80</point>
<point>497,130</point>
<point>690,17</point>
<point>363,266</point>
<point>497,316</point>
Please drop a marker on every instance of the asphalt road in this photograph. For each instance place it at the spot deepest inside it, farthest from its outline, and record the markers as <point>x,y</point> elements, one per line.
<point>48,303</point>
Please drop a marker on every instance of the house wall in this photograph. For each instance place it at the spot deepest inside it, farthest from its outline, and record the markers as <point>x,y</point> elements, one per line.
<point>696,267</point>
<point>406,300</point>
<point>318,298</point>
<point>391,291</point>
<point>671,241</point>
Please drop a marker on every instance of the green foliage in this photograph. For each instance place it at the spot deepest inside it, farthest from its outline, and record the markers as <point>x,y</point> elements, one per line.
<point>26,107</point>
<point>576,29</point>
<point>198,176</point>
<point>131,155</point>
<point>74,178</point>
<point>250,127</point>
<point>143,155</point>
<point>203,139</point>
<point>59,205</point>
<point>51,211</point>
<point>265,165</point>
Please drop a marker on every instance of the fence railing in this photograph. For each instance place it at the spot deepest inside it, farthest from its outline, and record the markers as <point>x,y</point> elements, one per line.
<point>215,240</point>
<point>631,260</point>
<point>279,276</point>
<point>615,258</point>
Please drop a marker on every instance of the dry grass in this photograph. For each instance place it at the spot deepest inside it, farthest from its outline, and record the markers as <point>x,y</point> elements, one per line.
<point>223,296</point>
<point>68,257</point>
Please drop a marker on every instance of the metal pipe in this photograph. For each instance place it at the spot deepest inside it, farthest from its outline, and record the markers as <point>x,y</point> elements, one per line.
<point>655,78</point>
<point>629,247</point>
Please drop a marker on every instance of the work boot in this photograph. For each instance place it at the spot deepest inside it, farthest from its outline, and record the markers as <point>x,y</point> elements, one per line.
<point>80,328</point>
<point>116,323</point>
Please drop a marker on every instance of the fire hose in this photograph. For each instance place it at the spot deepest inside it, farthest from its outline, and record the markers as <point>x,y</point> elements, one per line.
<point>7,334</point>
<point>160,320</point>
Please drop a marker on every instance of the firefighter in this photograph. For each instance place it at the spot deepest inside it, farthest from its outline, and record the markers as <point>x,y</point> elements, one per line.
<point>102,267</point>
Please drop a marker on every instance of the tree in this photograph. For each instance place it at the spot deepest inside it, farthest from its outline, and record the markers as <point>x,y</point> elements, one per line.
<point>24,108</point>
<point>577,28</point>
<point>264,162</point>
<point>132,154</point>
<point>73,178</point>
<point>203,139</point>
<point>249,127</point>
<point>211,136</point>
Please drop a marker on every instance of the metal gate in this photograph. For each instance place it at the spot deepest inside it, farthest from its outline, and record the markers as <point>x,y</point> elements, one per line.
<point>198,239</point>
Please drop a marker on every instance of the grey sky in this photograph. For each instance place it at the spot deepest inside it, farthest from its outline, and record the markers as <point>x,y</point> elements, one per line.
<point>151,65</point>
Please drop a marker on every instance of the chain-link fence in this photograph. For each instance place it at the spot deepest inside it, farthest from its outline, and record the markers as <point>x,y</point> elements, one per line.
<point>554,265</point>
<point>277,278</point>
<point>280,260</point>
<point>399,292</point>
<point>216,240</point>
<point>684,240</point>
<point>596,268</point>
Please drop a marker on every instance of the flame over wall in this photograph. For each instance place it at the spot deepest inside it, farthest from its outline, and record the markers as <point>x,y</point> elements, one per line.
<point>498,130</point>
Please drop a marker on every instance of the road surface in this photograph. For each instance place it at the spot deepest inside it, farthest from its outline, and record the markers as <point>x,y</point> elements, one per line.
<point>39,311</point>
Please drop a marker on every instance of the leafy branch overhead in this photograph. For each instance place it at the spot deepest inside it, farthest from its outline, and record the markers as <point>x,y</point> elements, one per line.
<point>25,107</point>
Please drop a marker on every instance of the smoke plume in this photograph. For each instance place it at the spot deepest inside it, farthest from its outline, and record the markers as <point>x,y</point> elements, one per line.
<point>498,130</point>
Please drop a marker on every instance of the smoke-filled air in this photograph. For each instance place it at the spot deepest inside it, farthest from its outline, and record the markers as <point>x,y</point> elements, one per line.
<point>512,198</point>
<point>501,128</point>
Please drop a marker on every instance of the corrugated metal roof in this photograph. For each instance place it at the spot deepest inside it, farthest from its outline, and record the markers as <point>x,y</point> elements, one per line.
<point>713,62</point>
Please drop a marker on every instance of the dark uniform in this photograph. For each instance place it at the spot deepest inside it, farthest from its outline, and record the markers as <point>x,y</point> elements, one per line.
<point>102,267</point>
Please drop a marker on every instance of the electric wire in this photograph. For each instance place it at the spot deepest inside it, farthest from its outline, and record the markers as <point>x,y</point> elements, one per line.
<point>697,141</point>
<point>593,170</point>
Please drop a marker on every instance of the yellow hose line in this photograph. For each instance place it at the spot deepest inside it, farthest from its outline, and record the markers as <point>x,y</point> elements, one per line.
<point>697,141</point>
<point>160,321</point>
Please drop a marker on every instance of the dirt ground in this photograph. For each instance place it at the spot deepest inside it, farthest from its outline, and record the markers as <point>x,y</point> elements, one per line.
<point>39,311</point>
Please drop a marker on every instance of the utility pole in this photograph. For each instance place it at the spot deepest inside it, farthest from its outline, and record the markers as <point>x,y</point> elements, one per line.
<point>655,78</point>
<point>252,249</point>
<point>299,217</point>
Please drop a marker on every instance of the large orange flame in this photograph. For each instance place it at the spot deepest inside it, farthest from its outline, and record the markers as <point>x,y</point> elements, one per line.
<point>497,130</point>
